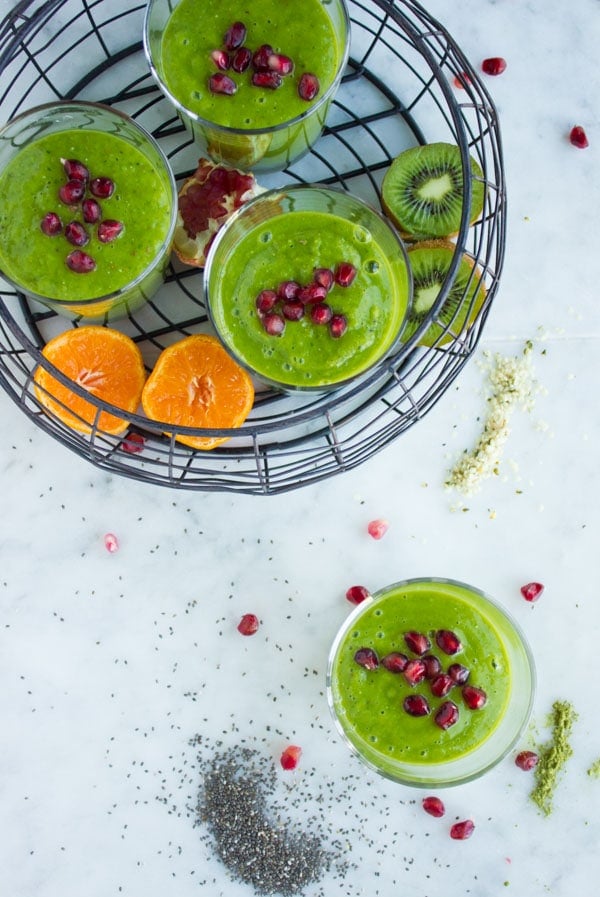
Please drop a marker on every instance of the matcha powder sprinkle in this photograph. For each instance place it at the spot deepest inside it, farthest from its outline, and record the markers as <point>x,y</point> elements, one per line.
<point>553,756</point>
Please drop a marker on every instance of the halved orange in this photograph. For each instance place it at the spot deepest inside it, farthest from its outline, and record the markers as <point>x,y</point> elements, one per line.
<point>106,363</point>
<point>195,383</point>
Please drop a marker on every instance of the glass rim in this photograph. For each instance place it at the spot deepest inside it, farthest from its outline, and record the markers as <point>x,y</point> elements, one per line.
<point>166,243</point>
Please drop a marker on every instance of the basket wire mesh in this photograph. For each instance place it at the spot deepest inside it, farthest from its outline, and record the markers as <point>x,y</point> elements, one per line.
<point>400,89</point>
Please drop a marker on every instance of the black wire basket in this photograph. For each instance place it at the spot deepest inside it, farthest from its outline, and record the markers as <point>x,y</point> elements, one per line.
<point>406,83</point>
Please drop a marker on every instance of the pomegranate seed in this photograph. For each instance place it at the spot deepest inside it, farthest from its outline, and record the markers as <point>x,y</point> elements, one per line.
<point>395,662</point>
<point>417,642</point>
<point>578,137</point>
<point>235,36</point>
<point>321,313</point>
<point>462,80</point>
<point>241,59</point>
<point>434,806</point>
<point>271,80</point>
<point>377,528</point>
<point>324,277</point>
<point>76,233</point>
<point>109,230</point>
<point>221,59</point>
<point>532,591</point>
<point>75,170</point>
<point>291,756</point>
<point>414,672</point>
<point>345,274</point>
<point>312,292</point>
<point>277,62</point>
<point>357,594</point>
<point>474,697</point>
<point>526,760</point>
<point>446,715</point>
<point>367,658</point>
<point>103,188</point>
<point>91,211</point>
<point>260,58</point>
<point>133,443</point>
<point>292,310</point>
<point>51,224</point>
<point>416,705</point>
<point>80,262</point>
<point>458,673</point>
<point>308,86</point>
<point>338,326</point>
<point>441,685</point>
<point>266,301</point>
<point>274,324</point>
<point>288,289</point>
<point>72,192</point>
<point>448,641</point>
<point>460,831</point>
<point>495,65</point>
<point>432,666</point>
<point>111,543</point>
<point>219,83</point>
<point>248,625</point>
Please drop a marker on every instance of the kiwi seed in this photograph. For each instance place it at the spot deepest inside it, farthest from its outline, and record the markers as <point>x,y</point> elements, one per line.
<point>422,191</point>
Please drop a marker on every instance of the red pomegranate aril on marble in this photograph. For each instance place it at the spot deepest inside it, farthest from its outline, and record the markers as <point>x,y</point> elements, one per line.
<point>474,697</point>
<point>461,80</point>
<point>433,666</point>
<point>532,591</point>
<point>447,641</point>
<point>321,313</point>
<point>414,672</point>
<point>76,233</point>
<point>290,757</point>
<point>460,831</point>
<point>308,86</point>
<point>102,187</point>
<point>234,36</point>
<point>274,323</point>
<point>75,170</point>
<point>377,528</point>
<point>260,58</point>
<point>270,80</point>
<point>278,62</point>
<point>248,624</point>
<point>324,277</point>
<point>338,326</point>
<point>288,289</point>
<point>72,192</point>
<point>80,262</point>
<point>395,662</point>
<point>241,59</point>
<point>458,673</point>
<point>92,213</point>
<point>526,760</point>
<point>357,594</point>
<point>446,715</point>
<point>441,685</point>
<point>292,310</point>
<point>221,59</point>
<point>578,137</point>
<point>367,658</point>
<point>417,642</point>
<point>266,301</point>
<point>222,84</point>
<point>495,65</point>
<point>51,224</point>
<point>133,443</point>
<point>345,274</point>
<point>416,705</point>
<point>434,806</point>
<point>109,230</point>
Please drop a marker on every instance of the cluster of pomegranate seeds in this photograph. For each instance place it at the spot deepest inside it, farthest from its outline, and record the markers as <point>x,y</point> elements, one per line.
<point>248,625</point>
<point>495,65</point>
<point>377,528</point>
<point>290,757</point>
<point>356,594</point>
<point>111,543</point>
<point>434,806</point>
<point>578,137</point>
<point>460,831</point>
<point>73,194</point>
<point>268,67</point>
<point>532,591</point>
<point>292,301</point>
<point>526,760</point>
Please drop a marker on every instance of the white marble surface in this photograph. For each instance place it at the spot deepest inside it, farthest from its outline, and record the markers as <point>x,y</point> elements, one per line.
<point>110,663</point>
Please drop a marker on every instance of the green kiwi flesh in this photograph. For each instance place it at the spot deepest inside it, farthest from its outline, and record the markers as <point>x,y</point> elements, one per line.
<point>430,262</point>
<point>422,191</point>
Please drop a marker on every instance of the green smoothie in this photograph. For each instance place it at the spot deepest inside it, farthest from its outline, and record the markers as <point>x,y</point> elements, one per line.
<point>369,703</point>
<point>29,186</point>
<point>291,246</point>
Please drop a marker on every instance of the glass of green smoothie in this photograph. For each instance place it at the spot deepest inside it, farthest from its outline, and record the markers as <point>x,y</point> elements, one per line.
<point>430,682</point>
<point>252,81</point>
<point>308,287</point>
<point>88,206</point>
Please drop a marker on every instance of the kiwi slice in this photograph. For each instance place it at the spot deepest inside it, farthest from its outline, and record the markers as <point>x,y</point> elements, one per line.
<point>422,191</point>
<point>430,262</point>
